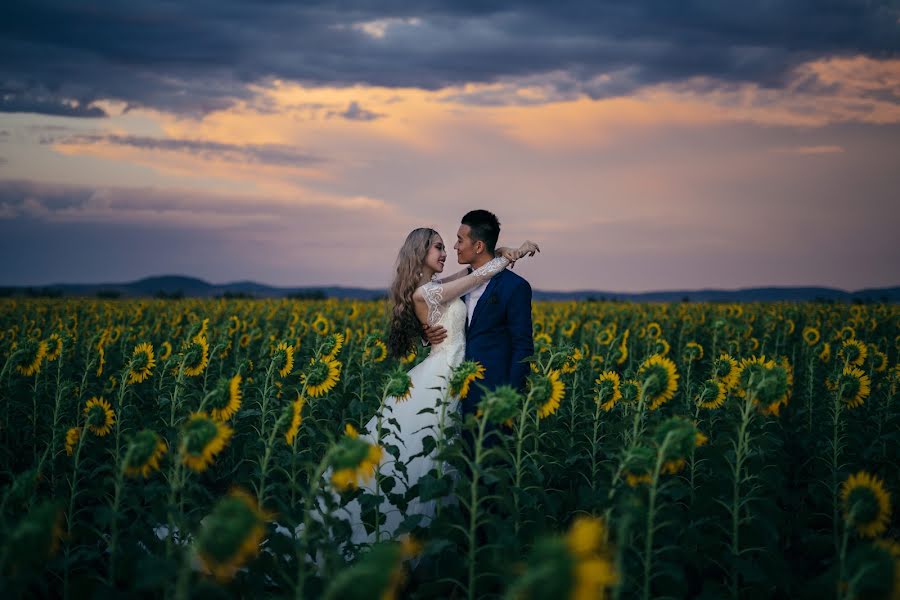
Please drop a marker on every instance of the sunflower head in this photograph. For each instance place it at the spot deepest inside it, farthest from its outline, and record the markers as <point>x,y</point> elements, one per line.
<point>231,535</point>
<point>653,330</point>
<point>711,394</point>
<point>295,410</point>
<point>353,461</point>
<point>142,363</point>
<point>73,434</point>
<point>331,345</point>
<point>576,565</point>
<point>30,357</point>
<point>54,347</point>
<point>853,352</point>
<point>630,390</point>
<point>660,346</point>
<point>823,351</point>
<point>375,350</point>
<point>679,436</point>
<point>196,356</point>
<point>547,391</point>
<point>99,416</point>
<point>500,404</point>
<point>854,386</point>
<point>608,392</point>
<point>811,335</point>
<point>145,451</point>
<point>659,380</point>
<point>867,506</point>
<point>166,351</point>
<point>321,325</point>
<point>725,369</point>
<point>847,332</point>
<point>464,376</point>
<point>202,439</point>
<point>693,352</point>
<point>398,384</point>
<point>321,376</point>
<point>283,359</point>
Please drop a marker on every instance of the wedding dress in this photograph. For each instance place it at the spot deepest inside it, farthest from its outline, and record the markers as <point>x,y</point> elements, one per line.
<point>430,379</point>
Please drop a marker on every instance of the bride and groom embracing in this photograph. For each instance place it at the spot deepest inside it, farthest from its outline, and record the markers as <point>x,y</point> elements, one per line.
<point>481,313</point>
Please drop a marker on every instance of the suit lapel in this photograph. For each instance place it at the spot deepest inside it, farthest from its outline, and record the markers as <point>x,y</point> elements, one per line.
<point>480,304</point>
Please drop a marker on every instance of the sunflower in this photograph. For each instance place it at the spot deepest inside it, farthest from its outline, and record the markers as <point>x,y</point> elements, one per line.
<point>630,390</point>
<point>196,356</point>
<point>867,506</point>
<point>202,439</point>
<point>142,362</point>
<point>853,352</point>
<point>321,325</point>
<point>296,409</point>
<point>606,337</point>
<point>283,359</point>
<point>166,351</point>
<point>593,570</point>
<point>854,387</point>
<point>879,360</point>
<point>54,347</point>
<point>146,450</point>
<point>660,346</point>
<point>711,394</point>
<point>693,352</point>
<point>376,351</point>
<point>331,345</point>
<point>811,336</point>
<point>754,344</point>
<point>683,437</point>
<point>34,354</point>
<point>463,376</point>
<point>321,376</point>
<point>226,398</point>
<point>99,416</point>
<point>353,461</point>
<point>72,437</point>
<point>654,330</point>
<point>244,340</point>
<point>823,351</point>
<point>846,333</point>
<point>379,573</point>
<point>659,380</point>
<point>726,370</point>
<point>608,393</point>
<point>570,365</point>
<point>232,534</point>
<point>548,390</point>
<point>621,353</point>
<point>398,384</point>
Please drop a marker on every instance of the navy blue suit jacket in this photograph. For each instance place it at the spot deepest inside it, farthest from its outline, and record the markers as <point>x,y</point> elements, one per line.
<point>499,335</point>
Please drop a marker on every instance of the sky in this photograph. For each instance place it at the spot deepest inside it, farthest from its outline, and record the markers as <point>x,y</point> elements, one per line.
<point>644,144</point>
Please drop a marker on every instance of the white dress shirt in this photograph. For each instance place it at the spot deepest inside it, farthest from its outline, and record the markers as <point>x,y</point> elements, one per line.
<point>472,299</point>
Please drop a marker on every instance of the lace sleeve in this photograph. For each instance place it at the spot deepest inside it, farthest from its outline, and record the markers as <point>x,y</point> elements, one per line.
<point>433,292</point>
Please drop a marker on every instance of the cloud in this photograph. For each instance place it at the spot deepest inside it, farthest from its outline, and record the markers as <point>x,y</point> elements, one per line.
<point>272,154</point>
<point>355,112</point>
<point>186,59</point>
<point>809,150</point>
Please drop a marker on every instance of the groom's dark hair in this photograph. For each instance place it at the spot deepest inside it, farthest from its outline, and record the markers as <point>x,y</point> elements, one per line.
<point>484,227</point>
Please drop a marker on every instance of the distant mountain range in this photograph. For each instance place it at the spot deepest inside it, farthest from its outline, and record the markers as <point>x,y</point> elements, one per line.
<point>174,286</point>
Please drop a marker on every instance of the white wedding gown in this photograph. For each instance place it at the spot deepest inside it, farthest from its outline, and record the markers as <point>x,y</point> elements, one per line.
<point>430,380</point>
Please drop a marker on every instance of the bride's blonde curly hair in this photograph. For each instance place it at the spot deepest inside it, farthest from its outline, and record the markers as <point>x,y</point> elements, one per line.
<point>404,325</point>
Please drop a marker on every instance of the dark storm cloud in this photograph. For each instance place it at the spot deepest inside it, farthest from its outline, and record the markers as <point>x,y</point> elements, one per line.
<point>272,154</point>
<point>194,57</point>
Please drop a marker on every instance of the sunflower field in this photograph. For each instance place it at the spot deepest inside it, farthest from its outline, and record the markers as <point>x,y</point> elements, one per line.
<point>193,448</point>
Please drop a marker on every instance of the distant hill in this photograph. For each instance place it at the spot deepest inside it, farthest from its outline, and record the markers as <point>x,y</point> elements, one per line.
<point>173,286</point>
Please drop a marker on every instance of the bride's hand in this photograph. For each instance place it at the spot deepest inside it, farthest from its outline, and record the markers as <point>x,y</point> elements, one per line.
<point>528,249</point>
<point>508,253</point>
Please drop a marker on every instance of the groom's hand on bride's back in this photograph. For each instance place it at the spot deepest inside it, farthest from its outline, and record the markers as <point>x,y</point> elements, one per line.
<point>434,334</point>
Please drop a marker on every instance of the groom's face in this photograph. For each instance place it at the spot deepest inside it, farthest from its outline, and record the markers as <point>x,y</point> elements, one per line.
<point>466,248</point>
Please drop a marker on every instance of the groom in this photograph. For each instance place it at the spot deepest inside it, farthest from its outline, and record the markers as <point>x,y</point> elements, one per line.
<point>498,326</point>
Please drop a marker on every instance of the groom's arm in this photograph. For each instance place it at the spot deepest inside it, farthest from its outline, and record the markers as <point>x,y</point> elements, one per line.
<point>518,316</point>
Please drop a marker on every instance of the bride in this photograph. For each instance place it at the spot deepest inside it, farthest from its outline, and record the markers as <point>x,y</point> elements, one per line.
<point>420,298</point>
